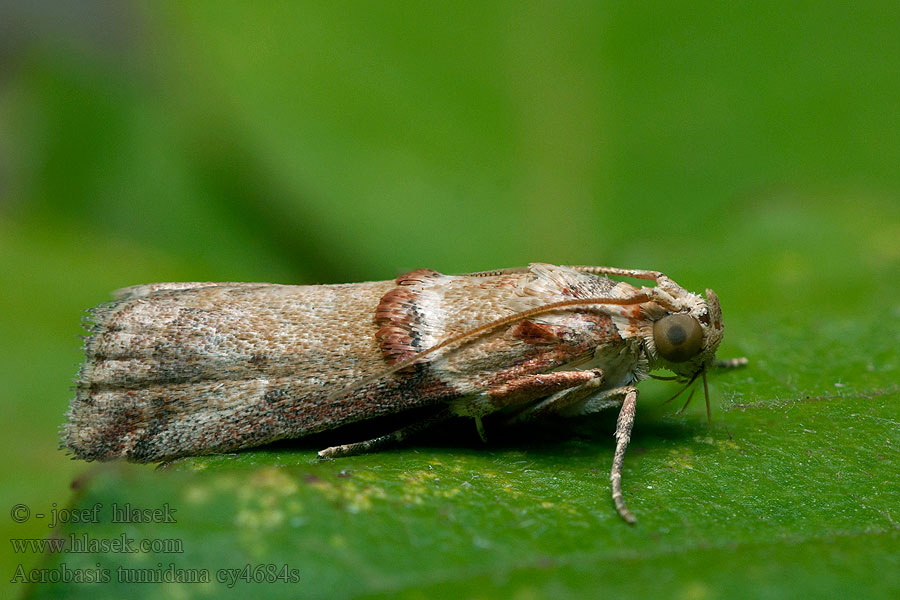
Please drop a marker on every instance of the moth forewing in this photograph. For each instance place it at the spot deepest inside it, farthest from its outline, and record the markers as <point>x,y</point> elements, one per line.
<point>181,369</point>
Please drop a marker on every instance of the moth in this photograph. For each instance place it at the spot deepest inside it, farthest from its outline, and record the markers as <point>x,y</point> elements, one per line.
<point>179,369</point>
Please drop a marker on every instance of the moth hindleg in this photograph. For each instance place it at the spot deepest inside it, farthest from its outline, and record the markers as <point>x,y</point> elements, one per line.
<point>376,444</point>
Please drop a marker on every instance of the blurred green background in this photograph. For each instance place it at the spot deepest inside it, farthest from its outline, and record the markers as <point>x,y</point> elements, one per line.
<point>749,147</point>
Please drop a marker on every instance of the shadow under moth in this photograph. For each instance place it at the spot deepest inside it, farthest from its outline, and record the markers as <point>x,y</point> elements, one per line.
<point>179,369</point>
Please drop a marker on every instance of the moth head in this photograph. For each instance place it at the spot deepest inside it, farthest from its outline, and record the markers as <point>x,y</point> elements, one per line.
<point>685,342</point>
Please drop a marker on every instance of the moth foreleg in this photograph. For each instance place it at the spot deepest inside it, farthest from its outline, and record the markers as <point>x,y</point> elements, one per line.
<point>559,402</point>
<point>603,401</point>
<point>533,387</point>
<point>625,396</point>
<point>623,435</point>
<point>731,363</point>
<point>376,444</point>
<point>521,391</point>
<point>558,386</point>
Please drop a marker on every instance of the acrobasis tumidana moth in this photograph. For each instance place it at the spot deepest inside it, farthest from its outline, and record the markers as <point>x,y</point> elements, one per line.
<point>178,369</point>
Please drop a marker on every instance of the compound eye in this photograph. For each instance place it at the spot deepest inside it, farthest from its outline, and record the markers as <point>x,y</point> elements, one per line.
<point>677,337</point>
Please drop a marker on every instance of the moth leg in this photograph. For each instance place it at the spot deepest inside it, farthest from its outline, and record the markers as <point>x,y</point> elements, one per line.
<point>559,402</point>
<point>380,442</point>
<point>479,426</point>
<point>623,435</point>
<point>626,397</point>
<point>604,400</point>
<point>523,390</point>
<point>532,387</point>
<point>731,363</point>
